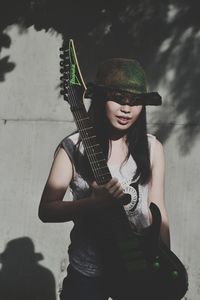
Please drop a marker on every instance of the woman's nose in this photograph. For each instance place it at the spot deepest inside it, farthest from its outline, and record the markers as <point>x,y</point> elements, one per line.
<point>125,108</point>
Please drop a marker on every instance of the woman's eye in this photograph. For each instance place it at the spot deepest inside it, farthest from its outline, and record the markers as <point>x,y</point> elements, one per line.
<point>119,98</point>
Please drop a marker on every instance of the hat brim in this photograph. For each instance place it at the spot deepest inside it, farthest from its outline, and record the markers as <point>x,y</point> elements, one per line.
<point>147,98</point>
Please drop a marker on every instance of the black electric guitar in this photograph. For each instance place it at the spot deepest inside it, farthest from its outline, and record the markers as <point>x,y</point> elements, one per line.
<point>138,252</point>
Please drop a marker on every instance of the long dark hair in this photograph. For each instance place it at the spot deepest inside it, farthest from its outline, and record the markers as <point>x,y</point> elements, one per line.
<point>137,140</point>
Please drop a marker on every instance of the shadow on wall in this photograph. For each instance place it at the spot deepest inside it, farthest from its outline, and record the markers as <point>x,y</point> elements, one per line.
<point>5,65</point>
<point>21,277</point>
<point>163,35</point>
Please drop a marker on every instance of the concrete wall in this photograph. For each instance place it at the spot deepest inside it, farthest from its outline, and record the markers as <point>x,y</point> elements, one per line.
<point>33,119</point>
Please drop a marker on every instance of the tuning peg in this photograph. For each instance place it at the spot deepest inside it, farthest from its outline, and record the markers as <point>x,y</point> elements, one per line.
<point>66,87</point>
<point>64,49</point>
<point>64,64</point>
<point>64,92</point>
<point>66,75</point>
<point>64,69</point>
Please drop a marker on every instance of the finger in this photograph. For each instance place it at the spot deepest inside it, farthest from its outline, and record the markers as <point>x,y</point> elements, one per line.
<point>111,183</point>
<point>118,193</point>
<point>115,188</point>
<point>94,184</point>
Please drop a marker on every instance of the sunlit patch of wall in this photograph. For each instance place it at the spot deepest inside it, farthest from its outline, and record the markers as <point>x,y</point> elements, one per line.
<point>33,120</point>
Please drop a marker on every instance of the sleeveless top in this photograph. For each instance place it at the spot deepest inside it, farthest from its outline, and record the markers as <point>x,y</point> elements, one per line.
<point>83,254</point>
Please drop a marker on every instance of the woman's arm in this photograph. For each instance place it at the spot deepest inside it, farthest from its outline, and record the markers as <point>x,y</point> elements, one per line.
<point>52,208</point>
<point>156,189</point>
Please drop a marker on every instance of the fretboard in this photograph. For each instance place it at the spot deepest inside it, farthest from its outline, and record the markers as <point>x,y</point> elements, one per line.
<point>92,148</point>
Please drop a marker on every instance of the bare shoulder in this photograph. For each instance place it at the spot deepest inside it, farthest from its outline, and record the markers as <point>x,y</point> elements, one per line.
<point>61,155</point>
<point>61,170</point>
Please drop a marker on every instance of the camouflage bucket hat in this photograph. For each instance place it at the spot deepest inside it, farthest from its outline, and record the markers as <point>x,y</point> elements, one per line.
<point>124,75</point>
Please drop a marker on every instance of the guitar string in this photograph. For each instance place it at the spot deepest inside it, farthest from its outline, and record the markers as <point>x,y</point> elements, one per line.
<point>95,166</point>
<point>92,157</point>
<point>90,152</point>
<point>79,118</point>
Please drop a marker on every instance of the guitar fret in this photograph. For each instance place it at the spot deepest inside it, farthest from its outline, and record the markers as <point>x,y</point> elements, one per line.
<point>97,161</point>
<point>89,137</point>
<point>95,153</point>
<point>105,167</point>
<point>88,147</point>
<point>104,174</point>
<point>82,119</point>
<point>85,129</point>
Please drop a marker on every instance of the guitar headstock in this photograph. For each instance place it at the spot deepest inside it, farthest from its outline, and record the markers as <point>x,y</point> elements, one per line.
<point>73,86</point>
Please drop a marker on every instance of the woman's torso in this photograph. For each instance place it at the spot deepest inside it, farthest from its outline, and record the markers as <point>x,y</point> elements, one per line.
<point>83,252</point>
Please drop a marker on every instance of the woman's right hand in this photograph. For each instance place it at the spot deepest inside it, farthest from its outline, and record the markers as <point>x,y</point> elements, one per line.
<point>106,194</point>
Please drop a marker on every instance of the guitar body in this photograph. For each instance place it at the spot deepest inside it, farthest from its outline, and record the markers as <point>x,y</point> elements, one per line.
<point>164,265</point>
<point>126,254</point>
<point>141,258</point>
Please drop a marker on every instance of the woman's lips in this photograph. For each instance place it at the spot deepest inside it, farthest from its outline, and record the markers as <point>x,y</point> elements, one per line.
<point>122,120</point>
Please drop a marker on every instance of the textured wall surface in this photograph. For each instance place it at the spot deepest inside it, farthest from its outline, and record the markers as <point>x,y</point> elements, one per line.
<point>33,119</point>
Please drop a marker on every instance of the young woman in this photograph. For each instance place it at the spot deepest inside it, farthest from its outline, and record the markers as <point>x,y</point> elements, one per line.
<point>136,162</point>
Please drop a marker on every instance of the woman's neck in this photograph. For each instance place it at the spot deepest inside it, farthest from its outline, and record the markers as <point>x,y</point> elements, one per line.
<point>116,135</point>
<point>118,150</point>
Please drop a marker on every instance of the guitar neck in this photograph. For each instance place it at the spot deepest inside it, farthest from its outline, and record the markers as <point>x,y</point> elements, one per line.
<point>73,90</point>
<point>92,148</point>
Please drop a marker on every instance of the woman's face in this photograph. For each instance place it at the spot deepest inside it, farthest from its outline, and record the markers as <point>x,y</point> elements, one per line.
<point>122,116</point>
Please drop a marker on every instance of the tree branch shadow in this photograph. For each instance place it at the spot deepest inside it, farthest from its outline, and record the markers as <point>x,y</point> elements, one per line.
<point>163,36</point>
